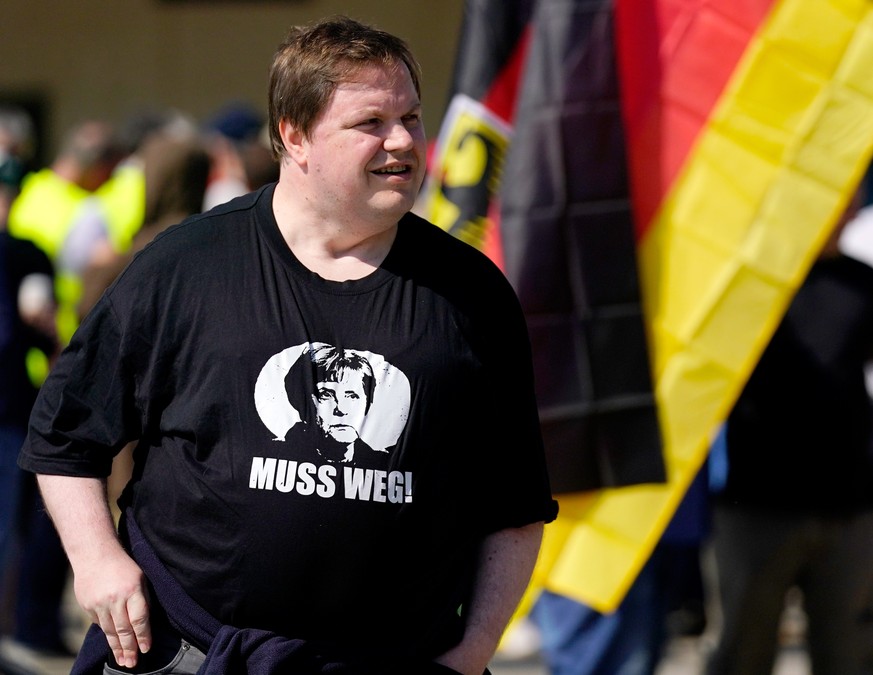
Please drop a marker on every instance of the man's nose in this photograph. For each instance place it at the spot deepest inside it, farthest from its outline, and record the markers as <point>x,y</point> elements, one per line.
<point>399,138</point>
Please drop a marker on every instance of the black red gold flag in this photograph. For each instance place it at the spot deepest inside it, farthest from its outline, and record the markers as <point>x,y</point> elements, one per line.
<point>466,163</point>
<point>560,197</point>
<point>744,126</point>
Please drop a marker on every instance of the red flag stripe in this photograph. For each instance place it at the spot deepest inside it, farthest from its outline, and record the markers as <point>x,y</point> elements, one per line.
<point>671,79</point>
<point>502,96</point>
<point>501,99</point>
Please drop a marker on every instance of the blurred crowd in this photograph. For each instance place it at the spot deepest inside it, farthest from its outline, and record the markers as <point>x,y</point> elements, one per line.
<point>67,230</point>
<point>784,505</point>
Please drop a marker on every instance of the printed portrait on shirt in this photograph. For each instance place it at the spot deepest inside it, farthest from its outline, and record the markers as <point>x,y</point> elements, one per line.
<point>333,405</point>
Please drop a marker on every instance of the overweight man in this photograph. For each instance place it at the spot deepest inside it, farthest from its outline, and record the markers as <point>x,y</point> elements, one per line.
<point>236,553</point>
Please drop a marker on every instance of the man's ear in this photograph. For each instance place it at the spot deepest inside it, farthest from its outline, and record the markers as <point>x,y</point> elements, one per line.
<point>293,140</point>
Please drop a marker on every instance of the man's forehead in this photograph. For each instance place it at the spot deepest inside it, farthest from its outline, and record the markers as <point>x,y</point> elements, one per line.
<point>365,75</point>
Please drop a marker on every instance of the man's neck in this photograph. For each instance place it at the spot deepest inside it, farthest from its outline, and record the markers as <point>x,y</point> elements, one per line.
<point>334,251</point>
<point>336,267</point>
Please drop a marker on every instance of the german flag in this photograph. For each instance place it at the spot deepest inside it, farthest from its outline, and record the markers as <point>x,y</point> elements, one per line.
<point>745,126</point>
<point>466,162</point>
<point>541,207</point>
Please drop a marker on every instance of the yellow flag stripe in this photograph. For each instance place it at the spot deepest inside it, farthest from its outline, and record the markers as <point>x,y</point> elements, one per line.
<point>765,182</point>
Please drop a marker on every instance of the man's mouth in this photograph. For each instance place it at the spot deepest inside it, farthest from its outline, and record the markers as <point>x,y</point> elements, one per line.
<point>392,170</point>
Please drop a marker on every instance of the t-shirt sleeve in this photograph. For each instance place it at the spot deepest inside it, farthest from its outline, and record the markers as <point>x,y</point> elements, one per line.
<point>85,410</point>
<point>517,491</point>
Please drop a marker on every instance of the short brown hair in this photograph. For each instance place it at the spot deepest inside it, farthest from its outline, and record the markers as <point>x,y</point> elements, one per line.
<point>314,59</point>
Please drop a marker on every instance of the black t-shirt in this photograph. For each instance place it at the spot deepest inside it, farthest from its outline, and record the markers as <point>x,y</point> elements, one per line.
<point>799,436</point>
<point>205,349</point>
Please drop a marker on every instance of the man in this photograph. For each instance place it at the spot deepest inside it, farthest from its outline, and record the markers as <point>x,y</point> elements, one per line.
<point>335,405</point>
<point>33,567</point>
<point>59,211</point>
<point>26,322</point>
<point>240,154</point>
<point>332,572</point>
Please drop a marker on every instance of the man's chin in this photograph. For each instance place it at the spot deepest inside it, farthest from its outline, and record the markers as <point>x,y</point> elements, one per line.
<point>394,205</point>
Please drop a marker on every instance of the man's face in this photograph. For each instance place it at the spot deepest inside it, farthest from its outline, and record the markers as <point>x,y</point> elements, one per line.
<point>365,157</point>
<point>340,407</point>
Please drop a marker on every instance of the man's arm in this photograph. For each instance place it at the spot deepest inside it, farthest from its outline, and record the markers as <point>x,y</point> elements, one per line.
<point>505,565</point>
<point>109,585</point>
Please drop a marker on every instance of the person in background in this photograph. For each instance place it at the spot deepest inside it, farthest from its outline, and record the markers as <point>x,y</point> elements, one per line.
<point>175,168</point>
<point>58,211</point>
<point>27,322</point>
<point>232,556</point>
<point>796,507</point>
<point>122,198</point>
<point>665,601</point>
<point>240,152</point>
<point>16,145</point>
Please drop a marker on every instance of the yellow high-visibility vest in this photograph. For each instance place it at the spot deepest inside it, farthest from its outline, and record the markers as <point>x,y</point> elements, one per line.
<point>47,209</point>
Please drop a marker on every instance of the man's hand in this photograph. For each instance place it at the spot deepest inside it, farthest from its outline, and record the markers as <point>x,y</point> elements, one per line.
<point>114,595</point>
<point>109,585</point>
